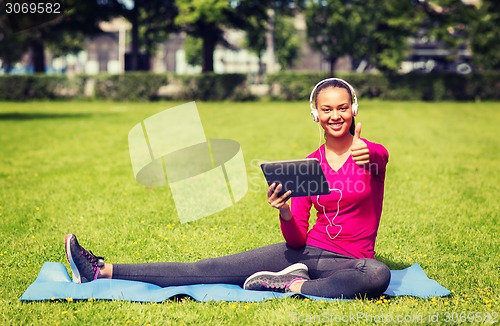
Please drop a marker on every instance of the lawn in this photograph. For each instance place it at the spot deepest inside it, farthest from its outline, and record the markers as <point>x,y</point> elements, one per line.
<point>65,167</point>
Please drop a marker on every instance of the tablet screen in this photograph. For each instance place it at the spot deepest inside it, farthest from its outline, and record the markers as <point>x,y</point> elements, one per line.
<point>303,177</point>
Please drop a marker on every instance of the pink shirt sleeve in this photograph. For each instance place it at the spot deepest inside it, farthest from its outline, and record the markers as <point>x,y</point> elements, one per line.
<point>295,230</point>
<point>379,156</point>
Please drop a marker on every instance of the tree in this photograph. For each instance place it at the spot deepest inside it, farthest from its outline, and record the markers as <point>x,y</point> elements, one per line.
<point>333,27</point>
<point>449,25</point>
<point>256,38</point>
<point>484,41</point>
<point>376,31</point>
<point>286,41</point>
<point>447,20</point>
<point>152,21</point>
<point>207,20</point>
<point>204,19</point>
<point>384,33</point>
<point>285,37</point>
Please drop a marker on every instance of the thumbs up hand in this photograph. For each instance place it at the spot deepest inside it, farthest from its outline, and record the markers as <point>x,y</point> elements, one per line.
<point>359,149</point>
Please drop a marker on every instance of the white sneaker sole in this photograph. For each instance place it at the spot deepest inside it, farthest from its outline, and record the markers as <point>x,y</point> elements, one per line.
<point>74,270</point>
<point>289,269</point>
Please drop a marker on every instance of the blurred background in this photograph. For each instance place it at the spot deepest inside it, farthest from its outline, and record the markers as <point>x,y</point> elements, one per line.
<point>248,49</point>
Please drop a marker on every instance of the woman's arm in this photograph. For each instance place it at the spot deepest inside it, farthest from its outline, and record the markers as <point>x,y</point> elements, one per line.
<point>294,222</point>
<point>371,156</point>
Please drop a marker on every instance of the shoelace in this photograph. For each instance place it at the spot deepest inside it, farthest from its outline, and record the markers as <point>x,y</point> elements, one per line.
<point>284,286</point>
<point>273,286</point>
<point>96,261</point>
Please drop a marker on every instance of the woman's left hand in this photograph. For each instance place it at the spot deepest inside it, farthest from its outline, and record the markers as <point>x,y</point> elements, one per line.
<point>359,149</point>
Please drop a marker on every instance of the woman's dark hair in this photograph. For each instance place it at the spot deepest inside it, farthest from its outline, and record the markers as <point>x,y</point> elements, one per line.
<point>336,84</point>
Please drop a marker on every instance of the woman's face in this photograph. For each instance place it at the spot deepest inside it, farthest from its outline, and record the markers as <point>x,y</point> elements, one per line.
<point>334,110</point>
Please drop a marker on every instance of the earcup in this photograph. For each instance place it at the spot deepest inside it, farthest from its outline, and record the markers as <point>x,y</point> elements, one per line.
<point>314,114</point>
<point>354,109</point>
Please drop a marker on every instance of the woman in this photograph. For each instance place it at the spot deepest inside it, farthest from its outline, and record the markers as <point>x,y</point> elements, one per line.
<point>335,259</point>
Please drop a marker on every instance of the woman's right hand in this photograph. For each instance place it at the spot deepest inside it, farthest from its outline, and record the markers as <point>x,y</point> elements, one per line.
<point>279,202</point>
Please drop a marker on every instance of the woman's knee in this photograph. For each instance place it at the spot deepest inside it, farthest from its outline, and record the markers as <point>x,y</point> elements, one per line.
<point>379,276</point>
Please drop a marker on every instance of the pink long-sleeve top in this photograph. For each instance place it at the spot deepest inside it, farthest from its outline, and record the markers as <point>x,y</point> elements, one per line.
<point>348,218</point>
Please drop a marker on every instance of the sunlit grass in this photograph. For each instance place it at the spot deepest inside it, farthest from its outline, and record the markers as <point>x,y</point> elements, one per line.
<point>65,167</point>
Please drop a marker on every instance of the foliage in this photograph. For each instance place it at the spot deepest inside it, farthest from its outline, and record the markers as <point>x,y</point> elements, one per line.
<point>63,34</point>
<point>484,41</point>
<point>386,27</point>
<point>152,21</point>
<point>204,19</point>
<point>286,42</point>
<point>133,86</point>
<point>12,45</point>
<point>448,21</point>
<point>366,30</point>
<point>333,27</point>
<point>256,36</point>
<point>194,50</point>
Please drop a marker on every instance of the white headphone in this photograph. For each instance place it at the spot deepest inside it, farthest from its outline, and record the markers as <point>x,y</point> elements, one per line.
<point>312,104</point>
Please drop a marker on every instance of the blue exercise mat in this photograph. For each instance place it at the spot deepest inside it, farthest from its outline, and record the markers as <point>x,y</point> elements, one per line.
<point>54,283</point>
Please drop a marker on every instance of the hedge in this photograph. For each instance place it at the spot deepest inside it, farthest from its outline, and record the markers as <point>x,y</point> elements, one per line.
<point>426,87</point>
<point>132,86</point>
<point>214,87</point>
<point>288,86</point>
<point>32,87</point>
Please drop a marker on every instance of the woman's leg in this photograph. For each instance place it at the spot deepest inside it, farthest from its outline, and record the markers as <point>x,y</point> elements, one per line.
<point>233,269</point>
<point>332,275</point>
<point>347,278</point>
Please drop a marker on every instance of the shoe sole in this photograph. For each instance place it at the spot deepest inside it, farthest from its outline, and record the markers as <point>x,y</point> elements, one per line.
<point>74,269</point>
<point>289,269</point>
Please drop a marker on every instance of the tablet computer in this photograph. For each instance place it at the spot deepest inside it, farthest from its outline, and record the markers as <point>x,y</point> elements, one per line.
<point>303,177</point>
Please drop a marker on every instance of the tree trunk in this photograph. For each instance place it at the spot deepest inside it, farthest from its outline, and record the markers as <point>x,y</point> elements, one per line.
<point>134,55</point>
<point>38,56</point>
<point>147,53</point>
<point>332,60</point>
<point>209,42</point>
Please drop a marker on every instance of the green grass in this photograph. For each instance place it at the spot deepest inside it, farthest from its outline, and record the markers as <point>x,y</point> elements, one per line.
<point>65,167</point>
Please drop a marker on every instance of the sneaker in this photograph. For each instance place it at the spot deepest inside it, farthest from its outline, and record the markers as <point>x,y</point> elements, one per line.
<point>85,266</point>
<point>279,281</point>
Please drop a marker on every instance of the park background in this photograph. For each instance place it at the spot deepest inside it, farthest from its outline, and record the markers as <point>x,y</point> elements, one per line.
<point>426,74</point>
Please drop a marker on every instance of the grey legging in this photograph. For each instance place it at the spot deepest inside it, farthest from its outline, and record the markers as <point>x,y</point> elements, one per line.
<point>332,275</point>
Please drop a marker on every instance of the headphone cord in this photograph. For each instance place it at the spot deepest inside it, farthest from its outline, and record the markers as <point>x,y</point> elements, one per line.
<point>330,222</point>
